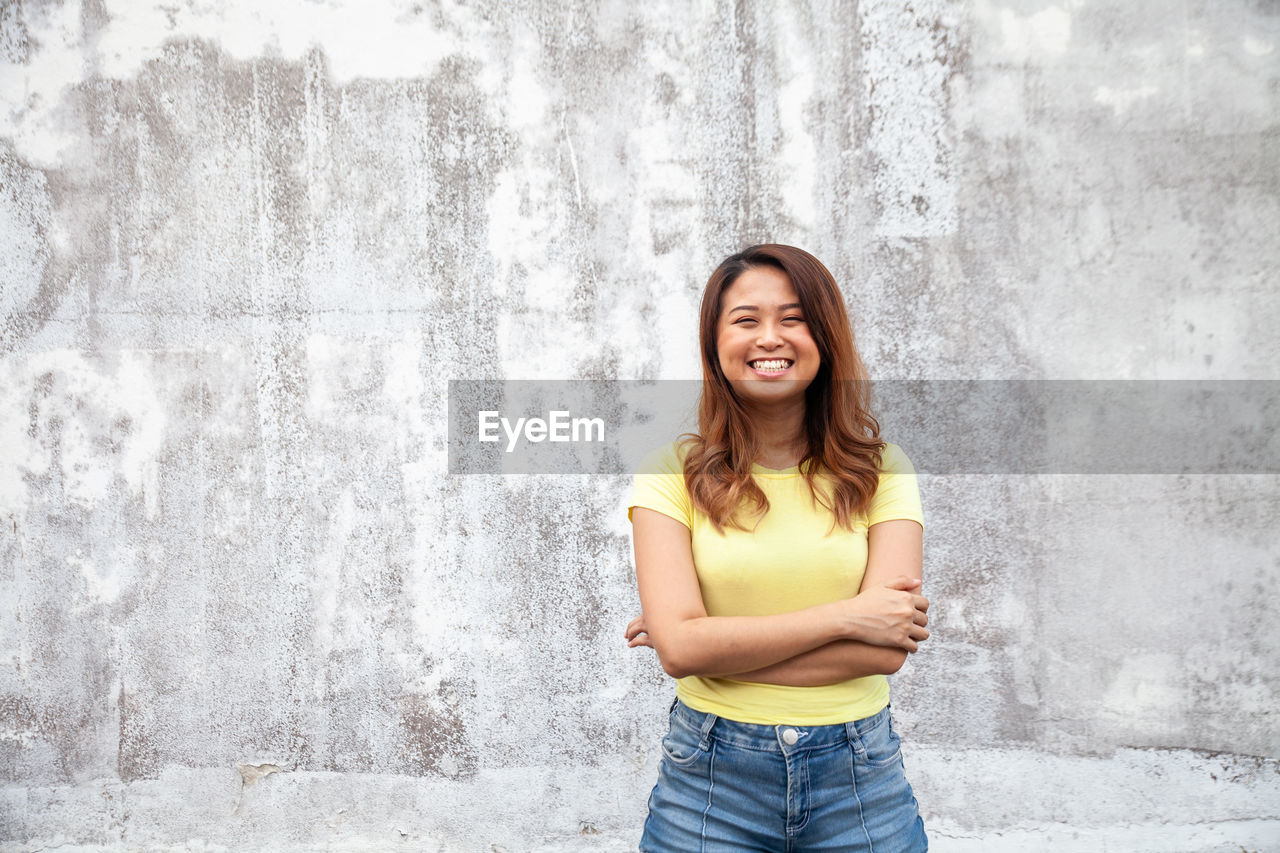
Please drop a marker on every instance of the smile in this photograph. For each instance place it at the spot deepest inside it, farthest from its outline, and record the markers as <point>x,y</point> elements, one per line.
<point>771,365</point>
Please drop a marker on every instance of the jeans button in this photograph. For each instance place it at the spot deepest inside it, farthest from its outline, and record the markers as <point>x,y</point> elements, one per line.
<point>790,736</point>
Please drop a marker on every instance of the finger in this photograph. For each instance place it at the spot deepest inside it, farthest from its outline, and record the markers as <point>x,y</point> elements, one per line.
<point>904,583</point>
<point>921,618</point>
<point>920,603</point>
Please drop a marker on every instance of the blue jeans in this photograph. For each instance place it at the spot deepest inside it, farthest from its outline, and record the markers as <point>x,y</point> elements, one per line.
<point>727,786</point>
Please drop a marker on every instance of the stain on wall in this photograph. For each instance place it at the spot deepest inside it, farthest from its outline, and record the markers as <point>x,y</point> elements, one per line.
<point>246,605</point>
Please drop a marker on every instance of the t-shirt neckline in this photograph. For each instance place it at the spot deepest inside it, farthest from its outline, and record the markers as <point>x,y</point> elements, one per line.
<point>793,471</point>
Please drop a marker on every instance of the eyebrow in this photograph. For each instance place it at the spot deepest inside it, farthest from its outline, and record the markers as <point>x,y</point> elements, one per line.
<point>790,306</point>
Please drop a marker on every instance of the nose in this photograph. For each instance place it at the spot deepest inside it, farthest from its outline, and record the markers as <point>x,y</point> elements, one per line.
<point>768,337</point>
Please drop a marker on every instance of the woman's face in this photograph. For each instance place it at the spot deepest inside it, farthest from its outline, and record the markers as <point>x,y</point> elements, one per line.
<point>763,343</point>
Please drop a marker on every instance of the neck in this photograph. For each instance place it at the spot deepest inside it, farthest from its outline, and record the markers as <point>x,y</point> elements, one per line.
<point>780,431</point>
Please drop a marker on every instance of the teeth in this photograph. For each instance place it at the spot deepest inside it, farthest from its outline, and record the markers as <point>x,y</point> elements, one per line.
<point>773,364</point>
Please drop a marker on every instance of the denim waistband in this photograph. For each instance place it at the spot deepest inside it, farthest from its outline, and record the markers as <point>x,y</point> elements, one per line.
<point>784,737</point>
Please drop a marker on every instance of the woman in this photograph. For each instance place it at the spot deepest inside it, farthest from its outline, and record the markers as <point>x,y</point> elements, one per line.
<point>778,559</point>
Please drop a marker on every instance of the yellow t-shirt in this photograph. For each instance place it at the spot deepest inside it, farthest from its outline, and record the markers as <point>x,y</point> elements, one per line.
<point>788,562</point>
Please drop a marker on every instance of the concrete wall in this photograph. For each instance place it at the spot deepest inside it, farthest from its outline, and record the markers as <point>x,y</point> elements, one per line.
<point>245,605</point>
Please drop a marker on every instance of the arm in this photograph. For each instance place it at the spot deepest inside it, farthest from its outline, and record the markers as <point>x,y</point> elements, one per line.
<point>894,549</point>
<point>829,664</point>
<point>689,642</point>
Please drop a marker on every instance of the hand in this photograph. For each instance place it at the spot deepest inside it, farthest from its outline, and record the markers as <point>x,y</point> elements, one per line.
<point>636,634</point>
<point>893,615</point>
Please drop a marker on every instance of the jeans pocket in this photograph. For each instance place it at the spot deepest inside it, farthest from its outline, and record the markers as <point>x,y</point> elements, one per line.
<point>881,744</point>
<point>682,744</point>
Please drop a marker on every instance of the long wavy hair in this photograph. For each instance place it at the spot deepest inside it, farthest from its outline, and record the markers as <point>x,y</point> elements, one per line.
<point>842,461</point>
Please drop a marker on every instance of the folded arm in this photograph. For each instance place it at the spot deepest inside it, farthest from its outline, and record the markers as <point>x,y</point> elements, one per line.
<point>894,549</point>
<point>830,664</point>
<point>689,642</point>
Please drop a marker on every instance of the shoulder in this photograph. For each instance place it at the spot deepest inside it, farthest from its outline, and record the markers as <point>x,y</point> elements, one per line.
<point>897,495</point>
<point>667,459</point>
<point>893,460</point>
<point>659,484</point>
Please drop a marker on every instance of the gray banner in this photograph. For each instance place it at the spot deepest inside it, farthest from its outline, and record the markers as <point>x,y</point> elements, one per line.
<point>945,426</point>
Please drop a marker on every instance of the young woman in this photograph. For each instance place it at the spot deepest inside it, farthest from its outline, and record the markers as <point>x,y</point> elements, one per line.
<point>778,559</point>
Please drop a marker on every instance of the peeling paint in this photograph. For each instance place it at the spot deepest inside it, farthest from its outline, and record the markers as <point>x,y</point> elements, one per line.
<point>251,773</point>
<point>96,421</point>
<point>1121,100</point>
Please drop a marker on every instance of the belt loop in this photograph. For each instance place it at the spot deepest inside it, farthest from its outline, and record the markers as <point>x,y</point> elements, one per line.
<point>705,735</point>
<point>855,739</point>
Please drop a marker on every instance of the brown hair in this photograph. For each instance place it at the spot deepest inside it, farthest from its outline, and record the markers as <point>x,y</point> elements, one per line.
<point>843,438</point>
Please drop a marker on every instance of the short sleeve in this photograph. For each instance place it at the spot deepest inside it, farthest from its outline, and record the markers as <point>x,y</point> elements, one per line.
<point>898,495</point>
<point>659,485</point>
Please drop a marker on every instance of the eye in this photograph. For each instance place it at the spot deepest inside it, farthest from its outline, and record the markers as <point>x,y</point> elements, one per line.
<point>742,320</point>
<point>794,317</point>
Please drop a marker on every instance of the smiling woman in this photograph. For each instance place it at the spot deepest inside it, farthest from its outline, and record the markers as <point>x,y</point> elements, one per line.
<point>778,558</point>
<point>765,349</point>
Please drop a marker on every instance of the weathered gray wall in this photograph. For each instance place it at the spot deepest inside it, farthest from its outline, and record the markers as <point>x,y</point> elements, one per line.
<point>245,247</point>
